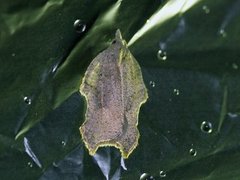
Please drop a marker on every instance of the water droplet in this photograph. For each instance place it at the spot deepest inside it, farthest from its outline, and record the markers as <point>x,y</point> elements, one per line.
<point>162,174</point>
<point>206,9</point>
<point>152,83</point>
<point>63,143</point>
<point>162,55</point>
<point>206,127</point>
<point>222,33</point>
<point>30,164</point>
<point>192,152</point>
<point>176,92</point>
<point>13,54</point>
<point>232,115</point>
<point>234,66</point>
<point>27,100</point>
<point>146,176</point>
<point>79,26</point>
<point>55,164</point>
<point>148,21</point>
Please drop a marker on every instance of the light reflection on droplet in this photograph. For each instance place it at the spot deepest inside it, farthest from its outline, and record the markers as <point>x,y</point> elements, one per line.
<point>27,100</point>
<point>222,33</point>
<point>162,55</point>
<point>152,83</point>
<point>176,92</point>
<point>162,174</point>
<point>206,127</point>
<point>54,164</point>
<point>192,152</point>
<point>232,115</point>
<point>234,66</point>
<point>79,26</point>
<point>30,164</point>
<point>146,176</point>
<point>63,143</point>
<point>206,9</point>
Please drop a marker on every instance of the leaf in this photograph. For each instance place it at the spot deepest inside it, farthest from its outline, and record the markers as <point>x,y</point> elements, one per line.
<point>188,53</point>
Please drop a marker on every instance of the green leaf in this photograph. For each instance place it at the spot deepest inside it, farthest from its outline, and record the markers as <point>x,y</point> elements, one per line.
<point>189,55</point>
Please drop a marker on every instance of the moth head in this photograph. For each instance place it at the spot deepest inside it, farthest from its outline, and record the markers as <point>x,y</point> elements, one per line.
<point>118,39</point>
<point>118,35</point>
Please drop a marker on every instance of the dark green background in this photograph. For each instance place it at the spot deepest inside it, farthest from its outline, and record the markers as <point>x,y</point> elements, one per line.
<point>43,57</point>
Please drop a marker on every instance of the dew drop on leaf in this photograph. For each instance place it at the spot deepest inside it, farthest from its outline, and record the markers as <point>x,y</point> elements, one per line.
<point>192,152</point>
<point>162,55</point>
<point>30,164</point>
<point>63,143</point>
<point>206,127</point>
<point>79,26</point>
<point>176,92</point>
<point>152,83</point>
<point>146,176</point>
<point>27,100</point>
<point>232,115</point>
<point>206,9</point>
<point>162,174</point>
<point>55,164</point>
<point>234,66</point>
<point>222,33</point>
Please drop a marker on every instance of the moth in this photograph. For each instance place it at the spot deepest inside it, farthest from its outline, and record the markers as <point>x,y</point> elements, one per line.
<point>114,90</point>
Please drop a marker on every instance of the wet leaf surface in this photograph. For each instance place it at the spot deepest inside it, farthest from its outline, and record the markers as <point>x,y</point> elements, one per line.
<point>189,56</point>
